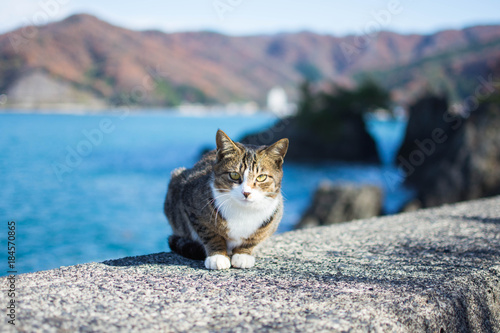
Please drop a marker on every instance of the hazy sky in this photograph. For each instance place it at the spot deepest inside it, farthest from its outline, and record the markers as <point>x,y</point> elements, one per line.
<point>262,16</point>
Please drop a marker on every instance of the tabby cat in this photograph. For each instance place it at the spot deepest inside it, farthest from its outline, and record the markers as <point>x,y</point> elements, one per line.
<point>229,202</point>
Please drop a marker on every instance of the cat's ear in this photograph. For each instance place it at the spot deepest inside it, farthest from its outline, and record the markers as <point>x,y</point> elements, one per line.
<point>225,145</point>
<point>277,151</point>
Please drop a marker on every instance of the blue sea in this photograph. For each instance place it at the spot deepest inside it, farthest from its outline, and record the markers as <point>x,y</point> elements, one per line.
<point>85,188</point>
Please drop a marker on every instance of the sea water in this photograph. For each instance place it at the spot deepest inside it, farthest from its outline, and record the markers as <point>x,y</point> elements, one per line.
<point>85,188</point>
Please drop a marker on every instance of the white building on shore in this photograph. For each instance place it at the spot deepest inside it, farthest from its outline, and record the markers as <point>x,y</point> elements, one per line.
<point>277,102</point>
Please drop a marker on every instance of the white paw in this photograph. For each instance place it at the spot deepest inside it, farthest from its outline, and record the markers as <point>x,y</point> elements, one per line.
<point>217,261</point>
<point>242,260</point>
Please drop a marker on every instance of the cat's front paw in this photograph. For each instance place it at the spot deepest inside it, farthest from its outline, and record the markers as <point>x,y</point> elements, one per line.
<point>217,261</point>
<point>241,260</point>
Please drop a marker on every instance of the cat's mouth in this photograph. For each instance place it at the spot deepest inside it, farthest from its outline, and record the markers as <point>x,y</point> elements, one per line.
<point>247,201</point>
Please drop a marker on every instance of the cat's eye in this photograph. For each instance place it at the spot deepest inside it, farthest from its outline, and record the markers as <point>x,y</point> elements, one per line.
<point>261,178</point>
<point>234,175</point>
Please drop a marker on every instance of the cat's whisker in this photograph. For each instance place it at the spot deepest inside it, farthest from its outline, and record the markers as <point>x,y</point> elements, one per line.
<point>226,210</point>
<point>216,208</point>
<point>216,211</point>
<point>211,201</point>
<point>221,207</point>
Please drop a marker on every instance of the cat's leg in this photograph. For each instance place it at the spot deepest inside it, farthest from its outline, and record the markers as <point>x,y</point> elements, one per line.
<point>242,255</point>
<point>215,247</point>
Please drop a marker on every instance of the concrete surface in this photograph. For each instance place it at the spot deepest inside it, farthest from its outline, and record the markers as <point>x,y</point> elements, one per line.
<point>430,271</point>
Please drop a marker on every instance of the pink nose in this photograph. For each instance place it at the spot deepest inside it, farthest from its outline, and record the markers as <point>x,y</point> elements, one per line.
<point>246,194</point>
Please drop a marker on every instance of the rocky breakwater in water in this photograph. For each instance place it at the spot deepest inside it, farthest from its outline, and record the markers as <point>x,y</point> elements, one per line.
<point>450,157</point>
<point>335,203</point>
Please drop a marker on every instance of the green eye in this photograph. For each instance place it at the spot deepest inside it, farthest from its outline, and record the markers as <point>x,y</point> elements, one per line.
<point>234,175</point>
<point>261,178</point>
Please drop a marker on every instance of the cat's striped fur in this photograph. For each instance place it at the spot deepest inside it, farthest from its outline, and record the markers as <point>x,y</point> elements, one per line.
<point>227,204</point>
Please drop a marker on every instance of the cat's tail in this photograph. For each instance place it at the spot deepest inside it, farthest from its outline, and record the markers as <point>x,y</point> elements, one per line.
<point>186,247</point>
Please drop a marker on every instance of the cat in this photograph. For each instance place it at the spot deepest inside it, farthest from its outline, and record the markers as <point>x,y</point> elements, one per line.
<point>227,204</point>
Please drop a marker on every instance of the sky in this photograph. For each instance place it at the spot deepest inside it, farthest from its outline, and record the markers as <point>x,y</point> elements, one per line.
<point>247,17</point>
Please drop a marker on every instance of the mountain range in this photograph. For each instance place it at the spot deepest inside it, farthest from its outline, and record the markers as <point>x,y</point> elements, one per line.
<point>83,60</point>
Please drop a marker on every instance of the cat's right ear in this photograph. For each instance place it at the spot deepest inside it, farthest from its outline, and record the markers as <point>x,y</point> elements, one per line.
<point>225,145</point>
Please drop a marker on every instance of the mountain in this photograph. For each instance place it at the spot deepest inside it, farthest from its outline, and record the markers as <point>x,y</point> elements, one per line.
<point>84,60</point>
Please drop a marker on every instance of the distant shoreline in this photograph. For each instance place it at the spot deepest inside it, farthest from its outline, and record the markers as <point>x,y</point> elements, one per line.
<point>136,111</point>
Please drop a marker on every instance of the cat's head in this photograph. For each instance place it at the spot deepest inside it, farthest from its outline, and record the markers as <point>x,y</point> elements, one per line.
<point>250,175</point>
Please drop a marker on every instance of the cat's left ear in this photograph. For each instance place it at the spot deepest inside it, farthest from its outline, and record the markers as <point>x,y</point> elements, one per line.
<point>278,151</point>
<point>225,146</point>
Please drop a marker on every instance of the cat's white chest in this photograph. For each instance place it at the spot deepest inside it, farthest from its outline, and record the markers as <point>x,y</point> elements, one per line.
<point>244,220</point>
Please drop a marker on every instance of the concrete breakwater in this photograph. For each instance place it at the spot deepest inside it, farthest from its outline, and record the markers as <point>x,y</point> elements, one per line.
<point>435,270</point>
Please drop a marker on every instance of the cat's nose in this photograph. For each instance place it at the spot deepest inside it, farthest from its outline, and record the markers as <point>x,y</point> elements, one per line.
<point>246,194</point>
